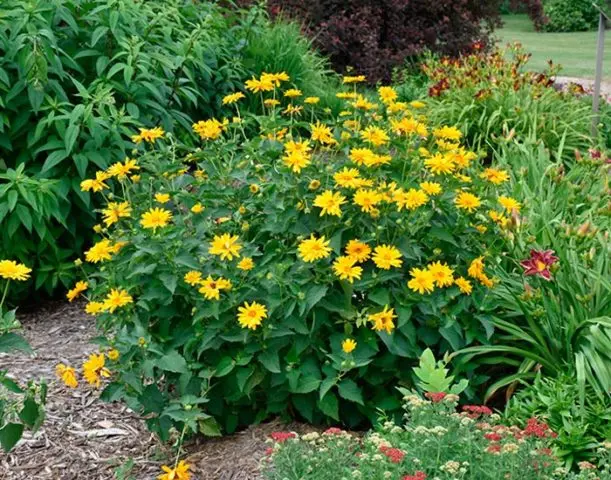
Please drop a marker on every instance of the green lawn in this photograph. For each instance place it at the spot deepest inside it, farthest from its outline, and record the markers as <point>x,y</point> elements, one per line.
<point>576,52</point>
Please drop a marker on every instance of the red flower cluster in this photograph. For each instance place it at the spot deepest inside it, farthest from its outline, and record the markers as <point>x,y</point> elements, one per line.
<point>474,411</point>
<point>393,454</point>
<point>333,431</point>
<point>440,87</point>
<point>539,263</point>
<point>494,448</point>
<point>419,475</point>
<point>282,437</point>
<point>535,428</point>
<point>493,437</point>
<point>435,397</point>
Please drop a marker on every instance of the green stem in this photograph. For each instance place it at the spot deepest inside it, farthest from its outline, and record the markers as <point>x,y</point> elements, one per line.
<point>182,436</point>
<point>4,295</point>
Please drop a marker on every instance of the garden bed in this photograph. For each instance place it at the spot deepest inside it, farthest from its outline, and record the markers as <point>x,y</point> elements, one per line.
<point>85,438</point>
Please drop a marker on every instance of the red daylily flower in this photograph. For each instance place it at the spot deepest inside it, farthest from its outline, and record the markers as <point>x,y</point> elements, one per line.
<point>539,263</point>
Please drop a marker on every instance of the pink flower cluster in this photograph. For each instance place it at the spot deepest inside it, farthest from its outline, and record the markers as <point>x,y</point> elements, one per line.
<point>393,454</point>
<point>419,475</point>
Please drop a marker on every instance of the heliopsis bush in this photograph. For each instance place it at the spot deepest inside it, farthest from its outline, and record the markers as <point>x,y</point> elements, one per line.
<point>297,270</point>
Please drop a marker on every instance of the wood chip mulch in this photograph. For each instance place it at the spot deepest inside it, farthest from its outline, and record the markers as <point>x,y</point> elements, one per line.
<point>84,438</point>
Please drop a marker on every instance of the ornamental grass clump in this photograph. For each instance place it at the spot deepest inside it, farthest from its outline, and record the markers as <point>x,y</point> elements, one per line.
<point>295,263</point>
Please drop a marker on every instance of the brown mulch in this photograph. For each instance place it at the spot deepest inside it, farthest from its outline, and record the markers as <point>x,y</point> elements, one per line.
<point>86,439</point>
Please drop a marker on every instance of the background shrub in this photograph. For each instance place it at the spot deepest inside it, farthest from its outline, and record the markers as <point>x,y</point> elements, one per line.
<point>373,37</point>
<point>569,15</point>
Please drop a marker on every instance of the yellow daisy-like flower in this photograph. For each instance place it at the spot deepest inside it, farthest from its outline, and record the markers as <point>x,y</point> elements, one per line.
<point>467,201</point>
<point>155,218</point>
<point>313,249</point>
<point>422,280</point>
<point>348,345</point>
<point>293,93</point>
<point>93,308</point>
<point>322,133</point>
<point>246,264</point>
<point>367,199</point>
<point>510,204</point>
<point>440,164</point>
<point>375,135</point>
<point>117,298</point>
<point>296,161</point>
<point>271,102</point>
<point>232,98</point>
<point>180,472</point>
<point>344,267</point>
<point>462,158</point>
<point>387,94</point>
<point>417,104</point>
<point>476,270</point>
<point>113,354</point>
<point>251,316</point>
<point>93,369</point>
<point>115,211</point>
<point>354,79</point>
<point>95,184</point>
<point>361,156</point>
<point>448,133</point>
<point>442,274</point>
<point>122,170</point>
<point>431,188</point>
<point>386,256</point>
<point>79,288</point>
<point>67,375</point>
<point>100,252</point>
<point>330,202</point>
<point>494,175</point>
<point>411,199</point>
<point>162,197</point>
<point>357,250</point>
<point>275,78</point>
<point>225,246</point>
<point>292,109</point>
<point>498,218</point>
<point>11,270</point>
<point>256,85</point>
<point>210,288</point>
<point>464,285</point>
<point>209,129</point>
<point>193,278</point>
<point>314,185</point>
<point>347,178</point>
<point>148,135</point>
<point>311,100</point>
<point>383,320</point>
<point>197,208</point>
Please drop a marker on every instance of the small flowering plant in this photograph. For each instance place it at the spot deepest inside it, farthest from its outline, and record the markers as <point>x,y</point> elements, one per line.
<point>294,263</point>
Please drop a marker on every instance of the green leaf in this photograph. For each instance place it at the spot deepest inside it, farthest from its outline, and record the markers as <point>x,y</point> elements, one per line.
<point>270,360</point>
<point>10,435</point>
<point>349,390</point>
<point>224,367</point>
<point>11,341</point>
<point>315,294</point>
<point>172,362</point>
<point>326,385</point>
<point>381,296</point>
<point>72,133</point>
<point>53,159</point>
<point>329,405</point>
<point>30,412</point>
<point>169,281</point>
<point>307,384</point>
<point>210,427</point>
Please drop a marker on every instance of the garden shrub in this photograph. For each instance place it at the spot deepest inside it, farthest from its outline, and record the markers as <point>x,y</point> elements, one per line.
<point>297,271</point>
<point>77,76</point>
<point>569,15</point>
<point>375,36</point>
<point>493,100</point>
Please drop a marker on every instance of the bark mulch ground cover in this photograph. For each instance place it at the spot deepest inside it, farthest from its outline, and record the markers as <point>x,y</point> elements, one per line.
<point>86,439</point>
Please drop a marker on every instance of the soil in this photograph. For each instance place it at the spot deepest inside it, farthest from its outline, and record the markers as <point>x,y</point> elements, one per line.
<point>86,439</point>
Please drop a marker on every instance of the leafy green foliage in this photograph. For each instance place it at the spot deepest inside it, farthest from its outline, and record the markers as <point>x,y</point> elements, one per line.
<point>569,15</point>
<point>433,376</point>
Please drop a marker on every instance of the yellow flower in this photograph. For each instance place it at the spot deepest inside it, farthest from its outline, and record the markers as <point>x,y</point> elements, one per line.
<point>94,368</point>
<point>387,94</point>
<point>246,264</point>
<point>255,85</point>
<point>93,308</point>
<point>361,156</point>
<point>411,199</point>
<point>95,184</point>
<point>375,135</point>
<point>311,100</point>
<point>11,270</point>
<point>210,288</point>
<point>155,218</point>
<point>197,208</point>
<point>357,250</point>
<point>422,280</point>
<point>476,270</point>
<point>396,107</point>
<point>345,269</point>
<point>209,129</point>
<point>494,175</point>
<point>448,133</point>
<point>100,252</point>
<point>314,184</point>
<point>322,133</point>
<point>79,288</point>
<point>117,246</point>
<point>330,203</point>
<point>193,278</point>
<point>386,256</point>
<point>181,472</point>
<point>313,249</point>
<point>116,299</point>
<point>275,78</point>
<point>347,178</point>
<point>148,135</point>
<point>114,211</point>
<point>364,104</point>
<point>510,204</point>
<point>462,158</point>
<point>383,320</point>
<point>467,201</point>
<point>293,93</point>
<point>440,164</point>
<point>367,199</point>
<point>162,197</point>
<point>296,161</point>
<point>348,345</point>
<point>113,354</point>
<point>251,316</point>
<point>67,375</point>
<point>121,170</point>
<point>409,126</point>
<point>442,274</point>
<point>226,246</point>
<point>271,102</point>
<point>254,188</point>
<point>417,104</point>
<point>498,218</point>
<point>292,109</point>
<point>431,188</point>
<point>232,98</point>
<point>354,79</point>
<point>464,285</point>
